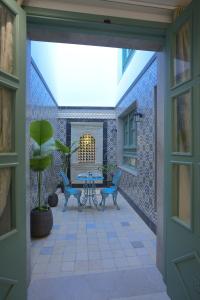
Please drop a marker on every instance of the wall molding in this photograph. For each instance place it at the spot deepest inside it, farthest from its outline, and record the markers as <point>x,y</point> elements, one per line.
<point>148,222</point>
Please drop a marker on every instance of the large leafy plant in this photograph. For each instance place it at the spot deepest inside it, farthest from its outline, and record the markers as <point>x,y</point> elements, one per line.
<point>66,152</point>
<point>41,132</point>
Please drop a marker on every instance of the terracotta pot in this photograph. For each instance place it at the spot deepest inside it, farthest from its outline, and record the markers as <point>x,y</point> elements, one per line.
<point>41,222</point>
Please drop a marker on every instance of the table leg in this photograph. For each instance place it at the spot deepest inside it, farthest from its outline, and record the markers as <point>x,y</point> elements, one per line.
<point>94,195</point>
<point>85,194</point>
<point>89,194</point>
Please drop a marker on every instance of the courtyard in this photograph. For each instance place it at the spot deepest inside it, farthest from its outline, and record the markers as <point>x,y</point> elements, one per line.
<point>91,253</point>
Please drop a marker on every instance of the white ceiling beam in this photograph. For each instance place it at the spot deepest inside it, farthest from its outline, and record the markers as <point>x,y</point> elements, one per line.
<point>108,9</point>
<point>155,10</point>
<point>166,4</point>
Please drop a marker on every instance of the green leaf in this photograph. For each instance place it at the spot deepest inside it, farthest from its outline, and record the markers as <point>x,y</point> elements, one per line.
<point>41,131</point>
<point>42,208</point>
<point>44,149</point>
<point>40,163</point>
<point>61,147</point>
<point>48,147</point>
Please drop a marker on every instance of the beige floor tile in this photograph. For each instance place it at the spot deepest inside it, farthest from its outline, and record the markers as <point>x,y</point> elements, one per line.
<point>43,258</point>
<point>54,267</point>
<point>40,268</point>
<point>56,258</point>
<point>81,266</point>
<point>67,266</point>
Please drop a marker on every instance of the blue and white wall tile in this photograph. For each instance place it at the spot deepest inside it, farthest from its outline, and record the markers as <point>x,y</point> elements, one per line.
<point>140,186</point>
<point>40,105</point>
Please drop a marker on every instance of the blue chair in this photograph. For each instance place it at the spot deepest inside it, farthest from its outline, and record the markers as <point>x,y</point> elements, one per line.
<point>113,190</point>
<point>69,191</point>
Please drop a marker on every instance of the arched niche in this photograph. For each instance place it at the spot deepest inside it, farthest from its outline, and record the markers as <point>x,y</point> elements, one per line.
<point>86,152</point>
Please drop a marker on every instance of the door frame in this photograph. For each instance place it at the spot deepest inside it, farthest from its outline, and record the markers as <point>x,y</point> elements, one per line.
<point>152,35</point>
<point>177,227</point>
<point>93,27</point>
<point>16,237</point>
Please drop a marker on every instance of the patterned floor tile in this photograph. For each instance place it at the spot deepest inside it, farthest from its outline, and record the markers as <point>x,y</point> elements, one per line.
<point>93,241</point>
<point>46,250</point>
<point>125,224</point>
<point>137,244</point>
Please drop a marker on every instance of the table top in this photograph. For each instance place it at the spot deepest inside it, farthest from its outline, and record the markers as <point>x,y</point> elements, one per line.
<point>89,176</point>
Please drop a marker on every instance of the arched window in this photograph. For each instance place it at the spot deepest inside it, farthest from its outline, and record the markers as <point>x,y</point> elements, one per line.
<point>86,152</point>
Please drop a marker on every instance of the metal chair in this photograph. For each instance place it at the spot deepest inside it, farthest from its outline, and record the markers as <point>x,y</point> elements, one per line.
<point>70,191</point>
<point>113,190</point>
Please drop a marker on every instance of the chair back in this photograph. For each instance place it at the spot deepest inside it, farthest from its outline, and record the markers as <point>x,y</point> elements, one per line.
<point>116,178</point>
<point>65,179</point>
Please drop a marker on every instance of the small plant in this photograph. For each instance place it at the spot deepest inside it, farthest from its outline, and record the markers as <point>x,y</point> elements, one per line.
<point>41,132</point>
<point>108,170</point>
<point>66,152</point>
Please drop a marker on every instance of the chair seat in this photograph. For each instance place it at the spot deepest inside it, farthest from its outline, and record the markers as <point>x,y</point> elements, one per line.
<point>72,191</point>
<point>108,190</point>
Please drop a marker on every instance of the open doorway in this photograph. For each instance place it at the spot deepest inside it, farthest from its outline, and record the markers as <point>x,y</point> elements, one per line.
<point>181,123</point>
<point>86,243</point>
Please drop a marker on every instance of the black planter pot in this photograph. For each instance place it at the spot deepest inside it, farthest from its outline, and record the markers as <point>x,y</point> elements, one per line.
<point>53,200</point>
<point>61,186</point>
<point>41,222</point>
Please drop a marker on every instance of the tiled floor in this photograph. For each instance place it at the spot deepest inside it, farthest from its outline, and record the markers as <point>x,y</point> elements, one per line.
<point>93,241</point>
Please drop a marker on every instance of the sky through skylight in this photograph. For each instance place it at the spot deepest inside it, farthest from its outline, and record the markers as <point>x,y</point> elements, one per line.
<point>78,75</point>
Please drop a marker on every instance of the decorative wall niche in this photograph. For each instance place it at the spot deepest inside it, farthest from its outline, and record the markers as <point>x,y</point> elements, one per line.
<point>86,152</point>
<point>89,157</point>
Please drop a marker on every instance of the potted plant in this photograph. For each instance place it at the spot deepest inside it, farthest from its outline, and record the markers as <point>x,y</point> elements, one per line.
<point>108,171</point>
<point>66,152</point>
<point>41,132</point>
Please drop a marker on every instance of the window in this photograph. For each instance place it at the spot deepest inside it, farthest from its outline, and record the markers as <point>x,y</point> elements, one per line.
<point>86,152</point>
<point>126,57</point>
<point>130,140</point>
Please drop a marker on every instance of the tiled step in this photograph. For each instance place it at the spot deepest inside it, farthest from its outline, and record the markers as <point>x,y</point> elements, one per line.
<point>101,286</point>
<point>157,296</point>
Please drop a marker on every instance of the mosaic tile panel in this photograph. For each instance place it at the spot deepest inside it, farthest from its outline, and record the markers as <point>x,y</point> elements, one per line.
<point>110,134</point>
<point>61,135</point>
<point>141,187</point>
<point>112,141</point>
<point>40,105</point>
<point>86,113</point>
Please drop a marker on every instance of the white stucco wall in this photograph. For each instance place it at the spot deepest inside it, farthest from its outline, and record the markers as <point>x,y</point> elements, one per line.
<point>135,66</point>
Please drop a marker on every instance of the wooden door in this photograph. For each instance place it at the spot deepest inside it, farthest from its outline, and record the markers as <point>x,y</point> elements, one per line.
<point>12,151</point>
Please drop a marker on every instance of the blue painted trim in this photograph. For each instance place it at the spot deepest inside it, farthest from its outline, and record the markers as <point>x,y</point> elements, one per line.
<point>43,80</point>
<point>144,70</point>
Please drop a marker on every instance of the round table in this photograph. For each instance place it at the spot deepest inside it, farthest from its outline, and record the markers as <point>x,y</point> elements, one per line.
<point>89,187</point>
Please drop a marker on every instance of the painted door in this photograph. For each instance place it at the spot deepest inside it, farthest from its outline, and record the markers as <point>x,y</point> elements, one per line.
<point>12,152</point>
<point>182,137</point>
